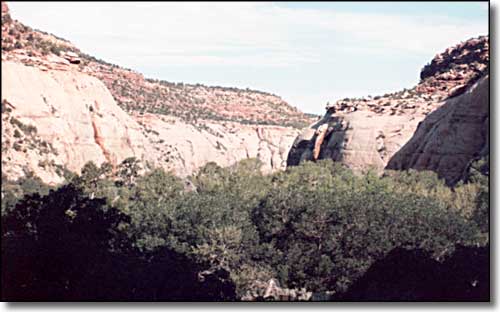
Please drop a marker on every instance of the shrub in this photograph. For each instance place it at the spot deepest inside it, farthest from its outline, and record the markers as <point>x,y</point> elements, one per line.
<point>17,147</point>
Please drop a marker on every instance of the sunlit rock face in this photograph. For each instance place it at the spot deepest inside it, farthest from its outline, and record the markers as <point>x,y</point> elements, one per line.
<point>184,147</point>
<point>73,113</point>
<point>64,108</point>
<point>77,120</point>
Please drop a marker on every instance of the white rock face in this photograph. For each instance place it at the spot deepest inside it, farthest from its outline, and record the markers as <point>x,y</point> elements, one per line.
<point>446,140</point>
<point>78,116</point>
<point>367,132</point>
<point>184,148</point>
<point>370,139</point>
<point>361,139</point>
<point>75,113</point>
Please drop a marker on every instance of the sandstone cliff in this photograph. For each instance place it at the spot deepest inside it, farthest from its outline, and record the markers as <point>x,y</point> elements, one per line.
<point>134,93</point>
<point>62,108</point>
<point>74,113</point>
<point>72,118</point>
<point>451,137</point>
<point>366,132</point>
<point>361,140</point>
<point>184,147</point>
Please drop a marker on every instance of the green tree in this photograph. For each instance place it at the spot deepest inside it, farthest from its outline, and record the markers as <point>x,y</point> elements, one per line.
<point>331,225</point>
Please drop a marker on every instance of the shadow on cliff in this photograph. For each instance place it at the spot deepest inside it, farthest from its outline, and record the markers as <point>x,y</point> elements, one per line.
<point>303,147</point>
<point>450,138</point>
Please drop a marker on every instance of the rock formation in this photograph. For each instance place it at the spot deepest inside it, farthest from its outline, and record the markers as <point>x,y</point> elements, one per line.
<point>361,139</point>
<point>62,108</point>
<point>76,117</point>
<point>86,109</point>
<point>452,136</point>
<point>184,147</point>
<point>134,93</point>
<point>74,113</point>
<point>271,291</point>
<point>367,132</point>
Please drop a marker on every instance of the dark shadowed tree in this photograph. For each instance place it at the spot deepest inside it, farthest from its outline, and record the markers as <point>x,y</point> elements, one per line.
<point>66,246</point>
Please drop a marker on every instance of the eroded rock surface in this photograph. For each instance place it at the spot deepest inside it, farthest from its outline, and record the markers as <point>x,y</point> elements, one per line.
<point>367,132</point>
<point>184,147</point>
<point>135,93</point>
<point>73,112</point>
<point>361,139</point>
<point>76,118</point>
<point>450,137</point>
<point>65,108</point>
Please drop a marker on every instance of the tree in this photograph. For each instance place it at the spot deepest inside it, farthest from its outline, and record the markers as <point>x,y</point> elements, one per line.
<point>67,246</point>
<point>129,170</point>
<point>328,226</point>
<point>53,244</point>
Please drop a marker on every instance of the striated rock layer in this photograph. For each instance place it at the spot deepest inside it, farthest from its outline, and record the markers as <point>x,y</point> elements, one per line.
<point>57,118</point>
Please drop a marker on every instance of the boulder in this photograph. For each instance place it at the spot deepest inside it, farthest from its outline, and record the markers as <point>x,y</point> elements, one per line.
<point>71,57</point>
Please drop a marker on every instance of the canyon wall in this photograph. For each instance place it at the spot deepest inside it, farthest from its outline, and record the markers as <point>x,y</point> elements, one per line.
<point>73,112</point>
<point>59,117</point>
<point>383,131</point>
<point>451,137</point>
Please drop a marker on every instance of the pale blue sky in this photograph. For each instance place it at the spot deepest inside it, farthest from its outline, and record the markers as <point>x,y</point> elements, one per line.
<point>306,52</point>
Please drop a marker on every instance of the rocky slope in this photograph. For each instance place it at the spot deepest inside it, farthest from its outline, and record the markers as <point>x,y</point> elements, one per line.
<point>58,112</point>
<point>365,133</point>
<point>184,147</point>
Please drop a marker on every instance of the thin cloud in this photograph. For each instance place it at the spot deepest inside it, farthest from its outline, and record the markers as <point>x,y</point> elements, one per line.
<point>238,27</point>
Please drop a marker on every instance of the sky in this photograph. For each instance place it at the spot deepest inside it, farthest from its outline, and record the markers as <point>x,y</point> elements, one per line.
<point>308,53</point>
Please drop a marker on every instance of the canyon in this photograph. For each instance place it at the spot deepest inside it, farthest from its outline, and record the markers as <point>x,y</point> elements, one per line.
<point>62,108</point>
<point>80,109</point>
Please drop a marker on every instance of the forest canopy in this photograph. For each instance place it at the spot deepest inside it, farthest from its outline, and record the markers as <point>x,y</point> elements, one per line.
<point>112,234</point>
